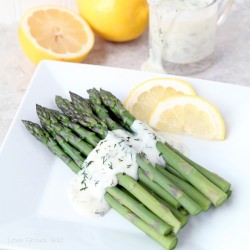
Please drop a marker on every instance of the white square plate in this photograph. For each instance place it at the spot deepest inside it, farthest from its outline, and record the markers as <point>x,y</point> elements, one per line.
<point>35,212</point>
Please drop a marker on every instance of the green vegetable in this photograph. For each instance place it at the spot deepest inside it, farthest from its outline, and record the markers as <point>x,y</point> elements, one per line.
<point>168,242</point>
<point>160,201</point>
<point>214,178</point>
<point>140,210</point>
<point>212,192</point>
<point>149,201</point>
<point>191,206</point>
<point>157,189</point>
<point>192,192</point>
<point>44,137</point>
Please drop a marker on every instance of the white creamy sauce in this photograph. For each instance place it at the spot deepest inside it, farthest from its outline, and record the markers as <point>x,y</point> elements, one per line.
<point>181,31</point>
<point>115,154</point>
<point>146,142</point>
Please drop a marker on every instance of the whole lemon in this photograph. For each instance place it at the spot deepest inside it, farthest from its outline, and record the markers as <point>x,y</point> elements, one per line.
<point>115,20</point>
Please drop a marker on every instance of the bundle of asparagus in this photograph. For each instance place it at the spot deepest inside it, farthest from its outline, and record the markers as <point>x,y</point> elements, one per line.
<point>162,197</point>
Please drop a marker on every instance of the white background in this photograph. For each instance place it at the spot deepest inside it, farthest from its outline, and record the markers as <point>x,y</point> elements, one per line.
<point>12,10</point>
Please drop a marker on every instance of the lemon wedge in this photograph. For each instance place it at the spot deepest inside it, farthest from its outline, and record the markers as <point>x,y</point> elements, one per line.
<point>55,33</point>
<point>143,98</point>
<point>189,115</point>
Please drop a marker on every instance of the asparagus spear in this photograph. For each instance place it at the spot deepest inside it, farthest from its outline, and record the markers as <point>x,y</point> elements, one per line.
<point>68,149</point>
<point>140,210</point>
<point>217,180</point>
<point>149,201</point>
<point>66,104</point>
<point>168,242</point>
<point>100,110</point>
<point>44,137</point>
<point>115,105</point>
<point>156,188</point>
<point>87,135</point>
<point>92,106</point>
<point>212,192</point>
<point>52,125</point>
<point>197,196</point>
<point>191,206</point>
<point>95,104</point>
<point>177,213</point>
<point>80,104</point>
<point>85,119</point>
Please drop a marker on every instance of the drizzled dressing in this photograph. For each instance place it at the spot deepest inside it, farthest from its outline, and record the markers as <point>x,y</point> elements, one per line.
<point>115,154</point>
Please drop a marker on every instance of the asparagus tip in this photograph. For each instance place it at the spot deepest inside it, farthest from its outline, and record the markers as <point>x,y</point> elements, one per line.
<point>73,95</point>
<point>58,98</point>
<point>39,107</point>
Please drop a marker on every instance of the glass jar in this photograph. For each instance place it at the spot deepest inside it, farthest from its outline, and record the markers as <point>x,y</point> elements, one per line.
<point>182,35</point>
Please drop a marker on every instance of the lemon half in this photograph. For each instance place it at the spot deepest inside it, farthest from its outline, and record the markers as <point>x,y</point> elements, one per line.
<point>55,33</point>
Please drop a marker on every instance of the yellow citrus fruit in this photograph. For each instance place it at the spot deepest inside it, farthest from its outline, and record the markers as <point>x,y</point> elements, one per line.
<point>190,115</point>
<point>143,98</point>
<point>55,33</point>
<point>115,20</point>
